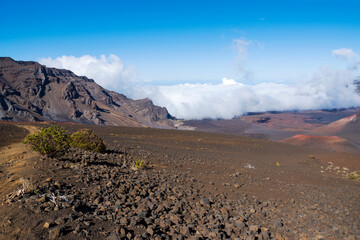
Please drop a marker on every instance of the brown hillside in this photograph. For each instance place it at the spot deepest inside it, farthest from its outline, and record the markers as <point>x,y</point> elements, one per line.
<point>332,143</point>
<point>32,92</point>
<point>348,128</point>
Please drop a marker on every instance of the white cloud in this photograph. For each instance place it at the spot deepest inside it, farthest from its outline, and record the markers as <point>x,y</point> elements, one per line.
<point>109,72</point>
<point>344,53</point>
<point>240,47</point>
<point>353,59</point>
<point>228,81</point>
<point>327,88</point>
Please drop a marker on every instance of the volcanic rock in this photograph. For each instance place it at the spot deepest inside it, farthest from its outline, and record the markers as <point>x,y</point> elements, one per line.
<point>31,92</point>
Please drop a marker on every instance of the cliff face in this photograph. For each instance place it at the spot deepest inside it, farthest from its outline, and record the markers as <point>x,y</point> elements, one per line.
<point>32,92</point>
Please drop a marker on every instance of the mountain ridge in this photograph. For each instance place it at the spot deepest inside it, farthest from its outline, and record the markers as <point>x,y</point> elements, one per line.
<point>30,91</point>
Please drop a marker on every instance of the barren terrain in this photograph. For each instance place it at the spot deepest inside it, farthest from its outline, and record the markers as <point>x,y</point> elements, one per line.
<point>275,125</point>
<point>196,184</point>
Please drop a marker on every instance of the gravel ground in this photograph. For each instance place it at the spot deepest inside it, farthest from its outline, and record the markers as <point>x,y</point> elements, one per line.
<point>194,186</point>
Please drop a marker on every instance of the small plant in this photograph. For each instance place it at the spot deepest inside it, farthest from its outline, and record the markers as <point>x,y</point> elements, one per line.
<point>87,140</point>
<point>27,186</point>
<point>353,176</point>
<point>139,164</point>
<point>49,141</point>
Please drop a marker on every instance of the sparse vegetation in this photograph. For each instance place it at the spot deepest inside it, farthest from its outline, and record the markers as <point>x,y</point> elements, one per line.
<point>140,164</point>
<point>69,196</point>
<point>353,176</point>
<point>27,186</point>
<point>54,141</point>
<point>87,140</point>
<point>49,141</point>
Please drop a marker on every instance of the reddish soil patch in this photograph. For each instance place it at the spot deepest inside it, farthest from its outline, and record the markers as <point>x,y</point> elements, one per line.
<point>331,143</point>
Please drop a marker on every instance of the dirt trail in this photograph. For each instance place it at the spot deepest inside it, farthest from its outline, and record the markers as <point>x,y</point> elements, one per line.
<point>15,164</point>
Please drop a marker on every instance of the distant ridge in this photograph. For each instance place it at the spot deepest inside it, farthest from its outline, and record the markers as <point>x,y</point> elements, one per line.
<point>347,128</point>
<point>30,91</point>
<point>331,143</point>
<point>342,135</point>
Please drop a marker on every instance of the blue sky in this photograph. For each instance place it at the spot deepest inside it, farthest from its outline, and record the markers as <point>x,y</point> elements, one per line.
<point>185,41</point>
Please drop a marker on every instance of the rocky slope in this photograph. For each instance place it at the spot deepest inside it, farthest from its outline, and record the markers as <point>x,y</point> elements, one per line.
<point>197,186</point>
<point>32,92</point>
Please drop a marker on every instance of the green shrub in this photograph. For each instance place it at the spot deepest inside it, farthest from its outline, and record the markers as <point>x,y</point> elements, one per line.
<point>139,163</point>
<point>49,141</point>
<point>353,176</point>
<point>87,140</point>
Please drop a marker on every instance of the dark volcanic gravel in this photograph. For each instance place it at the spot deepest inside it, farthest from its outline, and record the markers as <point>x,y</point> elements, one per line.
<point>182,193</point>
<point>10,133</point>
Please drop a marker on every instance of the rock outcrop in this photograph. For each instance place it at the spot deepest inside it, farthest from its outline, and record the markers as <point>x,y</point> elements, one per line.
<point>30,91</point>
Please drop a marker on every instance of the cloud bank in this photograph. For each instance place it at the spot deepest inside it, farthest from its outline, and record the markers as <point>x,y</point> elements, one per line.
<point>109,72</point>
<point>327,88</point>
